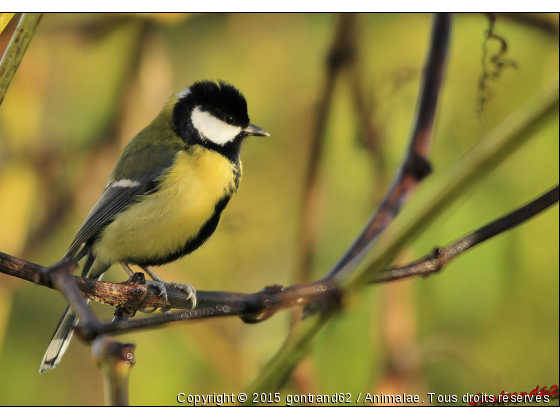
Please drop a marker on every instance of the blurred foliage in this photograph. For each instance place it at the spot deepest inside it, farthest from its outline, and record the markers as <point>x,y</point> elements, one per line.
<point>90,82</point>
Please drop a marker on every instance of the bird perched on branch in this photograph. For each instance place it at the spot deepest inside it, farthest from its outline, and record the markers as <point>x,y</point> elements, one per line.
<point>166,194</point>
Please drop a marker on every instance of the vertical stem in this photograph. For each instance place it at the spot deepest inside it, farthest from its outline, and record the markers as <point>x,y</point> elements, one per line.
<point>116,360</point>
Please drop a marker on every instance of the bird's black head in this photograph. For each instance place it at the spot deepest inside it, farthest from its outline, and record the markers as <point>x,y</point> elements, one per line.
<point>214,115</point>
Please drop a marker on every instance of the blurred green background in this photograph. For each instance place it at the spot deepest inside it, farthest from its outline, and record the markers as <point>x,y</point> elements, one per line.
<point>89,83</point>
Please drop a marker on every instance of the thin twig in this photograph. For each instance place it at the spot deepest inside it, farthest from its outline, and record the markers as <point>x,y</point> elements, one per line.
<point>440,257</point>
<point>430,264</point>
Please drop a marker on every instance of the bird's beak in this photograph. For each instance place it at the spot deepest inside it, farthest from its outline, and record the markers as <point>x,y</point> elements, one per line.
<point>253,130</point>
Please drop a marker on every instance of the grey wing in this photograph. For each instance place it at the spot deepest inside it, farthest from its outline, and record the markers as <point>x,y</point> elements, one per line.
<point>116,198</point>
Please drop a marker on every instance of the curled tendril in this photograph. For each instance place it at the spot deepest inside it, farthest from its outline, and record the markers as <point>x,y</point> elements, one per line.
<point>492,65</point>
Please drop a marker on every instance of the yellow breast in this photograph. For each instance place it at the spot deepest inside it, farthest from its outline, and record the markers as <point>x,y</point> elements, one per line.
<point>162,223</point>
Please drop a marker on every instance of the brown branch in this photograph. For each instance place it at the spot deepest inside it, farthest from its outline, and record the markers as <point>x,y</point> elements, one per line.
<point>264,304</point>
<point>415,166</point>
<point>60,276</point>
<point>250,307</point>
<point>136,294</point>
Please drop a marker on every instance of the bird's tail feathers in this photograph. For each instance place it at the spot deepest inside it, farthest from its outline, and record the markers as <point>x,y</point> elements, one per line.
<point>60,340</point>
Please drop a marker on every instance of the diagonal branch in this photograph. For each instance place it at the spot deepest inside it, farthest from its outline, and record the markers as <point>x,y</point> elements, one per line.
<point>440,257</point>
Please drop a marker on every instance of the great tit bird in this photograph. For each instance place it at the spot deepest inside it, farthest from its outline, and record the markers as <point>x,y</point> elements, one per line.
<point>167,192</point>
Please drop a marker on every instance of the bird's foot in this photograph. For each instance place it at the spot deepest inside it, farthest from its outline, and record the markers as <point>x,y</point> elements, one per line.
<point>162,286</point>
<point>162,291</point>
<point>187,288</point>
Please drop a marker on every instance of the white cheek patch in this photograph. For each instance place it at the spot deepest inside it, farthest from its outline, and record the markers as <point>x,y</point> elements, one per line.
<point>125,183</point>
<point>213,129</point>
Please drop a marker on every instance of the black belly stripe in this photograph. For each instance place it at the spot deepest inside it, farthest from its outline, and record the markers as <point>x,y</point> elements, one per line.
<point>193,243</point>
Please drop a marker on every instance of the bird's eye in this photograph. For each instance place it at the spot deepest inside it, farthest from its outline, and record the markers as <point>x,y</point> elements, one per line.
<point>229,119</point>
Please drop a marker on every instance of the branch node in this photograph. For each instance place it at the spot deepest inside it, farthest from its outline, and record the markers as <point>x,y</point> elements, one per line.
<point>87,331</point>
<point>343,51</point>
<point>65,267</point>
<point>325,304</point>
<point>259,306</point>
<point>137,298</point>
<point>418,166</point>
<point>340,57</point>
<point>106,348</point>
<point>433,261</point>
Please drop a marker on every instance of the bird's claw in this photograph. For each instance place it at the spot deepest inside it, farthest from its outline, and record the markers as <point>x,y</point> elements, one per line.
<point>188,289</point>
<point>162,287</point>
